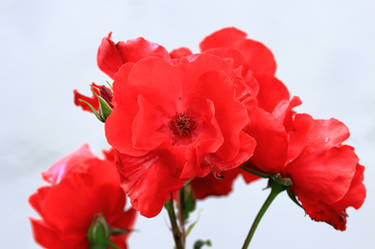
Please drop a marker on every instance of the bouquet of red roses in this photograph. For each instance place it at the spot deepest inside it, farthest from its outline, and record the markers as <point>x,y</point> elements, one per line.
<point>183,126</point>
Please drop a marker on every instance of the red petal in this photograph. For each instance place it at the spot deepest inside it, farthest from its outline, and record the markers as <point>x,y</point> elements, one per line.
<point>180,52</point>
<point>71,162</point>
<point>325,176</point>
<point>72,204</point>
<point>112,56</point>
<point>109,57</point>
<point>93,100</point>
<point>118,124</point>
<point>208,140</point>
<point>36,200</point>
<point>335,214</point>
<point>136,49</point>
<point>320,211</point>
<point>299,130</point>
<point>272,143</point>
<point>258,57</point>
<point>149,180</point>
<point>225,37</point>
<point>109,154</point>
<point>235,55</point>
<point>125,221</point>
<point>326,134</point>
<point>231,116</point>
<point>47,237</point>
<point>356,194</point>
<point>271,92</point>
<point>212,185</point>
<point>148,126</point>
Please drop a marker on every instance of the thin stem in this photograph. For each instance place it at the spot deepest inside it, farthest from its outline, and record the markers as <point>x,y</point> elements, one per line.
<point>275,190</point>
<point>175,230</point>
<point>181,206</point>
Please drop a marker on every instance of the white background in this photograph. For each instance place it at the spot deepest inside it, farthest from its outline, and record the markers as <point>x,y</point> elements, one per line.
<point>325,51</point>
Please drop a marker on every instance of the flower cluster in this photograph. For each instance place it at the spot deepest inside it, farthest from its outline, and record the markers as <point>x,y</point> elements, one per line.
<point>177,119</point>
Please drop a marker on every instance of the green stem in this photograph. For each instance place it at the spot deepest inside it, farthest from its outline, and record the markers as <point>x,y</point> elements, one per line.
<point>275,190</point>
<point>181,207</point>
<point>173,219</point>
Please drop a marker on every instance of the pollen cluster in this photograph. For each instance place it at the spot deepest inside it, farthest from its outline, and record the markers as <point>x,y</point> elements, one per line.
<point>182,124</point>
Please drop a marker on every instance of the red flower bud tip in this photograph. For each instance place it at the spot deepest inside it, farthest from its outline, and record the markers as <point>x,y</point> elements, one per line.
<point>106,94</point>
<point>182,124</point>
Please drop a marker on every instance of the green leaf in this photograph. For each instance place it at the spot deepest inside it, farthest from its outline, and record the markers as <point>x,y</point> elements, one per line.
<point>200,243</point>
<point>190,227</point>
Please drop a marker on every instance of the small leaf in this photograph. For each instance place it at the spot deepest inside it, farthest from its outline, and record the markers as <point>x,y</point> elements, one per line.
<point>192,225</point>
<point>200,243</point>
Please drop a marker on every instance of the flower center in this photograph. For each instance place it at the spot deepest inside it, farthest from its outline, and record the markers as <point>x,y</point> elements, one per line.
<point>182,124</point>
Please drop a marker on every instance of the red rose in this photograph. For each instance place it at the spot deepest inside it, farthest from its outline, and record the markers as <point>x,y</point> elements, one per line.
<point>83,187</point>
<point>326,175</point>
<point>175,121</point>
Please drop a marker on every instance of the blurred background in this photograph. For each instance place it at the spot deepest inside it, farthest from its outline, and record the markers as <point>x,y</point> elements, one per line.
<point>325,53</point>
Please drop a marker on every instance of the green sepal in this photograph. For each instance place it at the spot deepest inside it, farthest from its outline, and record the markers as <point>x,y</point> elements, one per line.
<point>200,243</point>
<point>93,110</point>
<point>286,182</point>
<point>99,231</point>
<point>104,109</point>
<point>254,172</point>
<point>293,197</point>
<point>109,84</point>
<point>119,231</point>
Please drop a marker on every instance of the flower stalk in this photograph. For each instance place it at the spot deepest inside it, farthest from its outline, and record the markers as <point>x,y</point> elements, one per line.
<point>276,189</point>
<point>181,207</point>
<point>177,236</point>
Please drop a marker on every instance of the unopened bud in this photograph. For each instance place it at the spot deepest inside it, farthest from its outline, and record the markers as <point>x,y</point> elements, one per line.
<point>107,95</point>
<point>99,231</point>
